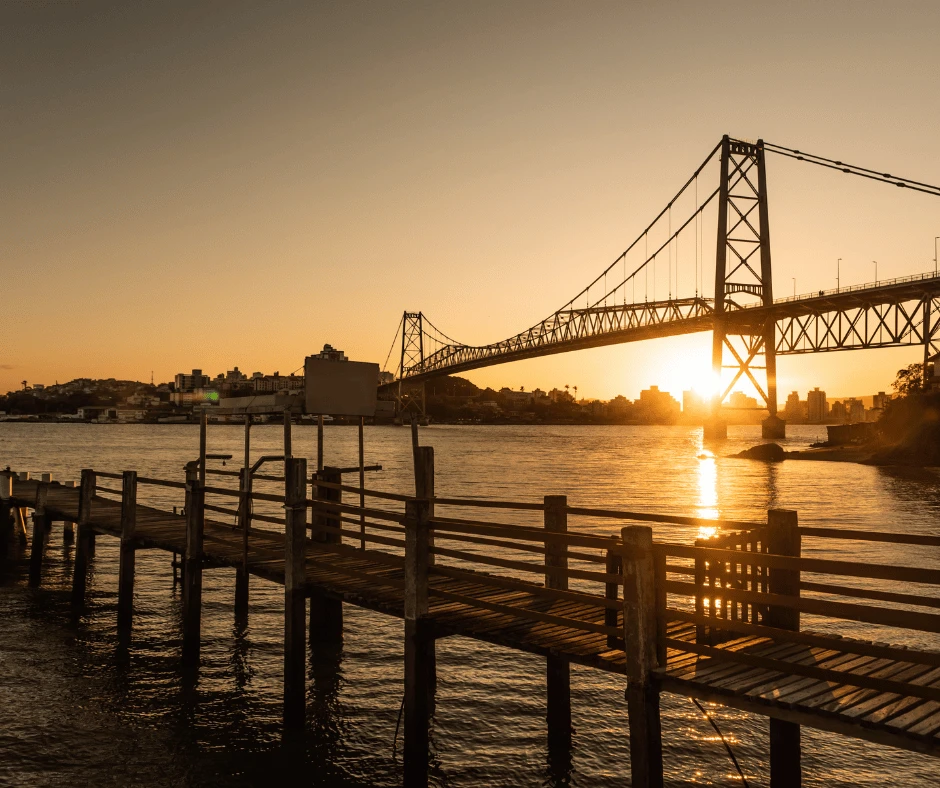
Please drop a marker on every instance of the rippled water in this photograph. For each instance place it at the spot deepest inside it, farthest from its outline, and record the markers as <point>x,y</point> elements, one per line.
<point>74,710</point>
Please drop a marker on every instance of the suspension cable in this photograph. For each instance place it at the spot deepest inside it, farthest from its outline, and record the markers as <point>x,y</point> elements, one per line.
<point>852,169</point>
<point>649,227</point>
<point>652,258</point>
<point>394,340</point>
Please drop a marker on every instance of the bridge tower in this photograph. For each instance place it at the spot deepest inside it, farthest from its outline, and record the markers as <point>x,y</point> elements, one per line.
<point>411,397</point>
<point>743,271</point>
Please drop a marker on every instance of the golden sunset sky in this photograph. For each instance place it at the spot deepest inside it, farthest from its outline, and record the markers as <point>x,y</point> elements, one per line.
<point>219,184</point>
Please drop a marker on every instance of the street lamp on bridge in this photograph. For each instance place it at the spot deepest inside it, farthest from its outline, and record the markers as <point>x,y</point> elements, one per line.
<point>936,238</point>
<point>794,286</point>
<point>838,264</point>
<point>876,270</point>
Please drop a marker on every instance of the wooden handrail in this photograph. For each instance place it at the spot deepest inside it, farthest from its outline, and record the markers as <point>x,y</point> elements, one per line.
<point>362,490</point>
<point>871,536</point>
<point>738,525</point>
<point>524,566</point>
<point>815,565</point>
<point>161,482</point>
<point>869,614</point>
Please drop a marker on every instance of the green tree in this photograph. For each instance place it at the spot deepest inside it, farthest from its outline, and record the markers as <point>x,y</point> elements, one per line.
<point>909,380</point>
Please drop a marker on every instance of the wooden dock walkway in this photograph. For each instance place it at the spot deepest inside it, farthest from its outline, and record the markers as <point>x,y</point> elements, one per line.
<point>718,620</point>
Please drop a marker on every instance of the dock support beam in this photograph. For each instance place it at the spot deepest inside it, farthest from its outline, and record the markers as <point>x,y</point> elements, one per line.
<point>125,611</point>
<point>192,566</point>
<point>418,675</point>
<point>295,579</point>
<point>6,511</point>
<point>41,527</point>
<point>326,615</point>
<point>244,519</point>
<point>558,671</point>
<point>784,539</point>
<point>640,638</point>
<point>85,546</point>
<point>424,489</point>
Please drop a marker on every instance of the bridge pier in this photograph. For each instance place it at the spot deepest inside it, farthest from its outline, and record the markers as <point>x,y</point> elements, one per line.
<point>558,670</point>
<point>326,614</point>
<point>714,429</point>
<point>773,427</point>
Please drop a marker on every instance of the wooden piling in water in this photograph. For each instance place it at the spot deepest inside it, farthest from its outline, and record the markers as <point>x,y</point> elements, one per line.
<point>244,520</point>
<point>6,511</point>
<point>558,670</point>
<point>640,639</point>
<point>418,674</point>
<point>192,565</point>
<point>40,531</point>
<point>783,538</point>
<point>84,547</point>
<point>613,565</point>
<point>295,578</point>
<point>326,614</point>
<point>424,489</point>
<point>126,566</point>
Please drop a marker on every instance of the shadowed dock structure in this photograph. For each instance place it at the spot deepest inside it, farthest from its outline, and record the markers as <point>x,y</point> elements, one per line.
<point>718,619</point>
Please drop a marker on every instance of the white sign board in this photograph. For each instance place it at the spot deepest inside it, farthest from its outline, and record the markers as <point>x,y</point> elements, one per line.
<point>340,388</point>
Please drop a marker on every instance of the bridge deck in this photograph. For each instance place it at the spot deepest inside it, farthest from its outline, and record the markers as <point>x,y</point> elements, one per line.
<point>370,580</point>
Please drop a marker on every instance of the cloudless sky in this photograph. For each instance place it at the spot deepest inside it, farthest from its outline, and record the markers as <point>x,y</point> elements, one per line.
<point>232,183</point>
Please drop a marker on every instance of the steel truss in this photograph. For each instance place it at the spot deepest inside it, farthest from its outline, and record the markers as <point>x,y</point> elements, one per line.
<point>573,329</point>
<point>898,324</point>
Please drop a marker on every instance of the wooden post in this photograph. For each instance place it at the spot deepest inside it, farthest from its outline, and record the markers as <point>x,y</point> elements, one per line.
<point>6,511</point>
<point>613,565</point>
<point>326,614</point>
<point>783,538</point>
<point>640,638</point>
<point>424,489</point>
<point>40,529</point>
<point>83,548</point>
<point>295,579</point>
<point>68,532</point>
<point>244,516</point>
<point>418,677</point>
<point>287,436</point>
<point>362,484</point>
<point>192,564</point>
<point>319,443</point>
<point>203,418</point>
<point>558,671</point>
<point>125,613</point>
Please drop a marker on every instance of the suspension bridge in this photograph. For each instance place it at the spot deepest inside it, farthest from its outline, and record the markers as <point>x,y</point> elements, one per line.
<point>750,328</point>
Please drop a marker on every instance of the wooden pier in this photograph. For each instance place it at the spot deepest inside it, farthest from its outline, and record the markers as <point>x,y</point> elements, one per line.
<point>717,620</point>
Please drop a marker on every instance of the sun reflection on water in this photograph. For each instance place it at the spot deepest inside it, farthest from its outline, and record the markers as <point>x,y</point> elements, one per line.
<point>707,492</point>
